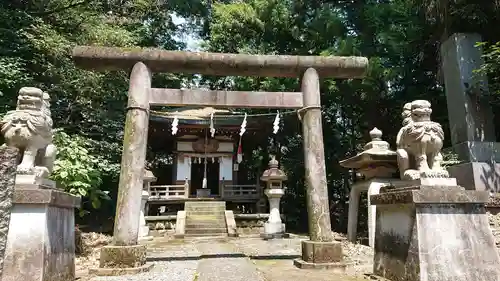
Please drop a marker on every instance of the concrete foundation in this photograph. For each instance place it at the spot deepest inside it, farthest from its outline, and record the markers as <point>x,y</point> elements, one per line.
<point>41,239</point>
<point>434,234</point>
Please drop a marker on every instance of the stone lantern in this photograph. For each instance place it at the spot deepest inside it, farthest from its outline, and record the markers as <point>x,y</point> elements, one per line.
<point>274,177</point>
<point>376,165</point>
<point>143,227</point>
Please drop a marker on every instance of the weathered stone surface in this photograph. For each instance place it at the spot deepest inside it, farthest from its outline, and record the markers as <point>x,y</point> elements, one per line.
<point>29,128</point>
<point>41,238</point>
<point>128,206</point>
<point>232,230</point>
<point>120,271</point>
<point>274,177</point>
<point>232,99</point>
<point>321,255</point>
<point>122,256</point>
<point>110,58</point>
<point>419,143</point>
<point>318,209</point>
<point>479,176</point>
<point>376,160</point>
<point>8,164</point>
<point>321,252</point>
<point>435,238</point>
<point>430,195</point>
<point>46,196</point>
<point>469,111</point>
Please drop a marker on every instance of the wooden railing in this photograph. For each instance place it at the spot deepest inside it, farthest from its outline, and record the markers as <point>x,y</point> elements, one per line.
<point>165,192</point>
<point>240,191</point>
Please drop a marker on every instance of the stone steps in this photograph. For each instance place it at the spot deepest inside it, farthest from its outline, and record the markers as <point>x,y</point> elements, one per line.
<point>206,215</point>
<point>206,225</point>
<point>207,235</point>
<point>219,230</point>
<point>205,219</point>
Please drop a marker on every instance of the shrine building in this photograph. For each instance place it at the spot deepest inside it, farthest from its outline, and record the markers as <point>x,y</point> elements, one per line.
<point>199,157</point>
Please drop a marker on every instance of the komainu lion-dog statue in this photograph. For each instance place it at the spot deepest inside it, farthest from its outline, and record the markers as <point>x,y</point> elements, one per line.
<point>419,143</point>
<point>29,128</point>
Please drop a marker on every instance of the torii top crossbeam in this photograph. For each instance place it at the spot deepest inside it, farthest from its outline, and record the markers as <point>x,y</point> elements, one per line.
<point>112,58</point>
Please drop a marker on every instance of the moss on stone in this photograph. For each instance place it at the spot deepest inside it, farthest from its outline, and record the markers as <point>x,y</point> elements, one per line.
<point>123,256</point>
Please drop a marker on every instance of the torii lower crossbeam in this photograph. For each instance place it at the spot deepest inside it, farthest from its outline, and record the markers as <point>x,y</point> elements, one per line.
<point>232,99</point>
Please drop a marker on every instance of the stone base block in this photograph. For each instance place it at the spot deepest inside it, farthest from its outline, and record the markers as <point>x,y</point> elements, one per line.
<point>434,233</point>
<point>269,236</point>
<point>143,232</point>
<point>121,260</point>
<point>120,271</point>
<point>481,176</point>
<point>146,238</point>
<point>232,230</point>
<point>438,181</point>
<point>274,228</point>
<point>321,255</point>
<point>41,237</point>
<point>33,182</point>
<point>122,256</point>
<point>336,267</point>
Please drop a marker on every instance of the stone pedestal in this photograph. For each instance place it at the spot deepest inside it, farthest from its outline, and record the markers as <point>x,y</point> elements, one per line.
<point>32,181</point>
<point>274,227</point>
<point>321,255</point>
<point>143,227</point>
<point>434,233</point>
<point>41,239</point>
<point>372,187</point>
<point>122,260</point>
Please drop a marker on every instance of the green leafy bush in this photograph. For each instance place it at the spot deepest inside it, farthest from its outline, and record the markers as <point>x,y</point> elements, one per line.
<point>491,66</point>
<point>79,171</point>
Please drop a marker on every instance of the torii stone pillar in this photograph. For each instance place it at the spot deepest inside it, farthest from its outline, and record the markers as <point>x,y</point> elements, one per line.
<point>321,251</point>
<point>124,255</point>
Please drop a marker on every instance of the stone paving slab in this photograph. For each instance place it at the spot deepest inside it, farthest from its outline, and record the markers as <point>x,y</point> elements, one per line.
<point>284,270</point>
<point>225,268</point>
<point>277,248</point>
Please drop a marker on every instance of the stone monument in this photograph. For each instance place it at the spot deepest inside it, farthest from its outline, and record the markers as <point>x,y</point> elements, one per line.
<point>274,177</point>
<point>41,242</point>
<point>470,114</point>
<point>431,230</point>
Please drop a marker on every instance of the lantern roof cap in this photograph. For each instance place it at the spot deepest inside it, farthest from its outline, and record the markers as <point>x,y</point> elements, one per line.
<point>273,173</point>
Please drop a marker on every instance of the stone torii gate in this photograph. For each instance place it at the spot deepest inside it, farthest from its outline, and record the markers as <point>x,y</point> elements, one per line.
<point>125,255</point>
